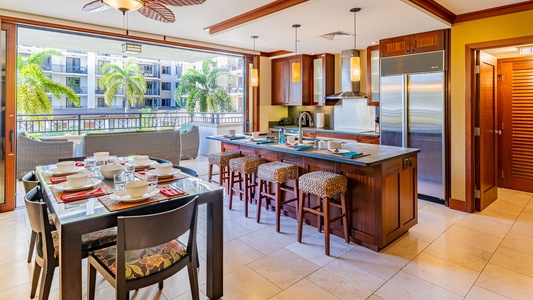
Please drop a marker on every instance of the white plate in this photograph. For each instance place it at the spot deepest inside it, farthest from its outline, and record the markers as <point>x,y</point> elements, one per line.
<point>124,197</point>
<point>172,173</point>
<point>338,151</point>
<point>149,164</point>
<point>65,187</point>
<point>54,171</point>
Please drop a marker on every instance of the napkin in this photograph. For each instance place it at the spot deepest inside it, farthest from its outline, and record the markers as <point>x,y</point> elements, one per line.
<point>352,154</point>
<point>236,137</point>
<point>67,197</point>
<point>141,172</point>
<point>54,180</point>
<point>302,147</point>
<point>79,164</point>
<point>170,191</point>
<point>264,141</point>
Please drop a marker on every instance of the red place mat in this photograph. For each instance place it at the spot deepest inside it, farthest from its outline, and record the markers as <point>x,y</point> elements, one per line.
<point>106,189</point>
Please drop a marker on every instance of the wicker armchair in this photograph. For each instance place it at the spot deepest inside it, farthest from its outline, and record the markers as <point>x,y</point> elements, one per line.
<point>190,142</point>
<point>32,153</point>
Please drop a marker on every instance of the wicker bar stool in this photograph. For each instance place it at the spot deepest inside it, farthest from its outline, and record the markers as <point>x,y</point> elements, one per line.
<point>221,159</point>
<point>247,166</point>
<point>324,185</point>
<point>277,173</point>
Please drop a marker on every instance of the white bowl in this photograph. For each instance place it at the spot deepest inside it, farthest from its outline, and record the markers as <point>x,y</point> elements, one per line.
<point>136,189</point>
<point>77,180</point>
<point>101,156</point>
<point>163,168</point>
<point>65,166</point>
<point>140,160</point>
<point>109,170</point>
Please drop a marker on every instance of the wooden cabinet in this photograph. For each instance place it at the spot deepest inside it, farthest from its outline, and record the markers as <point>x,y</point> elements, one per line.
<point>350,137</point>
<point>323,78</point>
<point>372,75</point>
<point>415,43</point>
<point>286,92</point>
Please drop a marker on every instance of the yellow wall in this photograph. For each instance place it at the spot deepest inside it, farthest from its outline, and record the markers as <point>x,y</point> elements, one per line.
<point>489,29</point>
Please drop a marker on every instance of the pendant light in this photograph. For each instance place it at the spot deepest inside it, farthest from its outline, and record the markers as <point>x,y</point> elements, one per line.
<point>355,62</point>
<point>295,68</point>
<point>254,75</point>
<point>124,5</point>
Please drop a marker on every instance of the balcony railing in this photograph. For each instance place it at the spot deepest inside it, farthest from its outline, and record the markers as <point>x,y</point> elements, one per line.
<point>57,124</point>
<point>65,68</point>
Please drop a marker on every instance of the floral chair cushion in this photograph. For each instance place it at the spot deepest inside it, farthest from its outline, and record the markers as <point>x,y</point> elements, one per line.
<point>143,262</point>
<point>93,240</point>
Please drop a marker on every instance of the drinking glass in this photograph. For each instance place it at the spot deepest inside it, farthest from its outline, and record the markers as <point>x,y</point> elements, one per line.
<point>151,177</point>
<point>120,180</point>
<point>90,161</point>
<point>97,165</point>
<point>111,159</point>
<point>129,169</point>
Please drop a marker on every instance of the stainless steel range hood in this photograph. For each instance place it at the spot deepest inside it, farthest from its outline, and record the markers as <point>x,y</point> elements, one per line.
<point>350,89</point>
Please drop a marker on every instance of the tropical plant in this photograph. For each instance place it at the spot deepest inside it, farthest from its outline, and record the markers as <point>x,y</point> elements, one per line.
<point>201,88</point>
<point>130,78</point>
<point>33,84</point>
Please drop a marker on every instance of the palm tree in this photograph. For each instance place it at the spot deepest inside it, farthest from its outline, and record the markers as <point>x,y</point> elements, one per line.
<point>33,84</point>
<point>130,78</point>
<point>202,89</point>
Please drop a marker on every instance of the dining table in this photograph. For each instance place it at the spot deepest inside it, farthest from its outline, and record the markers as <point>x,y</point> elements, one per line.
<point>76,218</point>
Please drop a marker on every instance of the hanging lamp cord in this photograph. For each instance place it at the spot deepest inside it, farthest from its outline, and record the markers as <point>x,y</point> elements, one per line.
<point>296,40</point>
<point>354,30</point>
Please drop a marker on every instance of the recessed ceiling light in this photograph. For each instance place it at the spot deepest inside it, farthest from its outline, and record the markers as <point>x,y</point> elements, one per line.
<point>526,50</point>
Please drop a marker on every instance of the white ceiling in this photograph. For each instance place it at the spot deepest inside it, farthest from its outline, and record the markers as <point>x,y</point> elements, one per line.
<point>377,20</point>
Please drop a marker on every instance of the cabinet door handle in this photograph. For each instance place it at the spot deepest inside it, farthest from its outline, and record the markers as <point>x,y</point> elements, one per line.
<point>11,138</point>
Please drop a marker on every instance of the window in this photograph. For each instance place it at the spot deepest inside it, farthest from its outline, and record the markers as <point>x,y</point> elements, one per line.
<point>165,70</point>
<point>74,83</point>
<point>165,86</point>
<point>166,102</point>
<point>148,69</point>
<point>101,64</point>
<point>179,71</point>
<point>100,102</point>
<point>47,64</point>
<point>73,65</point>
<point>177,84</point>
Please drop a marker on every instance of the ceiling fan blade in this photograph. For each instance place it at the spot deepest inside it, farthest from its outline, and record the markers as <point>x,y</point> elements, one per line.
<point>157,12</point>
<point>94,6</point>
<point>180,2</point>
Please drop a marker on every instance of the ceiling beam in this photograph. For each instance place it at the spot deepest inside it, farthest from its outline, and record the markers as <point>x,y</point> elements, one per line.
<point>257,13</point>
<point>436,9</point>
<point>495,11</point>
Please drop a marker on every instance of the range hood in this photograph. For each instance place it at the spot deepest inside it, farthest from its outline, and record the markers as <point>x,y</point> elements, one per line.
<point>350,89</point>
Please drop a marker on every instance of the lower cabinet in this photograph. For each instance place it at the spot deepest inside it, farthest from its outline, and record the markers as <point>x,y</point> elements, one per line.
<point>340,136</point>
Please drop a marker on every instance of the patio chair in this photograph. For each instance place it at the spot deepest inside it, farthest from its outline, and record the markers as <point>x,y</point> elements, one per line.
<point>33,152</point>
<point>190,141</point>
<point>126,267</point>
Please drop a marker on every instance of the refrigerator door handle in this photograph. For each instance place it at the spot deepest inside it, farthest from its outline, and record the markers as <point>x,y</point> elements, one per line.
<point>405,95</point>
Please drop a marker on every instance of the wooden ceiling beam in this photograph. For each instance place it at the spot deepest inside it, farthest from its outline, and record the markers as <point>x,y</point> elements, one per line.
<point>436,9</point>
<point>495,11</point>
<point>257,13</point>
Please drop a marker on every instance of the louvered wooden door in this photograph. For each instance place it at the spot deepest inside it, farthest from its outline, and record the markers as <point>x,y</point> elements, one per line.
<point>517,125</point>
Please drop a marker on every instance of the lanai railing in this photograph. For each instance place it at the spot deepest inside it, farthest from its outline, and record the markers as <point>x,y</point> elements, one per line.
<point>59,124</point>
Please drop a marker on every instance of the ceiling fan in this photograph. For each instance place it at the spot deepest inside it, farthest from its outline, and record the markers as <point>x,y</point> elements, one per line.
<point>153,9</point>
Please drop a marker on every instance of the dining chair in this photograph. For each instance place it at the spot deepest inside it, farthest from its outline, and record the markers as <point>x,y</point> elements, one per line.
<point>187,171</point>
<point>160,160</point>
<point>148,251</point>
<point>79,158</point>
<point>47,243</point>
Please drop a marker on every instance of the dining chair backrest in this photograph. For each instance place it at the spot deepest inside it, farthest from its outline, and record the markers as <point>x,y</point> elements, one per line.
<point>187,171</point>
<point>29,181</point>
<point>79,158</point>
<point>160,160</point>
<point>38,217</point>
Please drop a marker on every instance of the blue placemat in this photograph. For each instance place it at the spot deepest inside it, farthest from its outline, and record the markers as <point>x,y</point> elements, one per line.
<point>236,137</point>
<point>264,141</point>
<point>352,154</point>
<point>302,147</point>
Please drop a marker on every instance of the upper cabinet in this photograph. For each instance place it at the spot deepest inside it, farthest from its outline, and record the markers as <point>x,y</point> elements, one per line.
<point>286,92</point>
<point>411,44</point>
<point>372,75</point>
<point>323,78</point>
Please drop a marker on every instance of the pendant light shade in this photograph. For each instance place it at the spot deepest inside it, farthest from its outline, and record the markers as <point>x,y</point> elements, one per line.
<point>254,74</point>
<point>125,5</point>
<point>355,62</point>
<point>295,67</point>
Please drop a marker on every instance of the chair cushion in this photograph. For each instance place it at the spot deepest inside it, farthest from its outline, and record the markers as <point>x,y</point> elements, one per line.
<point>277,172</point>
<point>93,240</point>
<point>143,262</point>
<point>222,158</point>
<point>323,184</point>
<point>246,164</point>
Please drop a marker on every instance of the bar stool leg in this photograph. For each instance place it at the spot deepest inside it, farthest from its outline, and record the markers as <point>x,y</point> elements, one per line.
<point>277,186</point>
<point>345,217</point>
<point>320,219</point>
<point>261,185</point>
<point>230,188</point>
<point>326,224</point>
<point>300,215</point>
<point>246,192</point>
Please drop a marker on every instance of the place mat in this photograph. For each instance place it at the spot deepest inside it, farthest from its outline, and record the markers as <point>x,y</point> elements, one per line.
<point>106,189</point>
<point>47,176</point>
<point>142,176</point>
<point>114,205</point>
<point>326,152</point>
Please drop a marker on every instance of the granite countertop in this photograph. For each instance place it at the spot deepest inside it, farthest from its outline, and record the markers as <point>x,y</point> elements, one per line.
<point>325,130</point>
<point>378,153</point>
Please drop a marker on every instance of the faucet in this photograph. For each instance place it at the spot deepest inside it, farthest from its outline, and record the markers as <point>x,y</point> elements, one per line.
<point>300,135</point>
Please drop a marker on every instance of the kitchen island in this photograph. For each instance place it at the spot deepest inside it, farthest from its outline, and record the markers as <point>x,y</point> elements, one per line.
<point>382,185</point>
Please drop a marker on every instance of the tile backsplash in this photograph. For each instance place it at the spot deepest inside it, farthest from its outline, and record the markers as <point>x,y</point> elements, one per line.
<point>354,114</point>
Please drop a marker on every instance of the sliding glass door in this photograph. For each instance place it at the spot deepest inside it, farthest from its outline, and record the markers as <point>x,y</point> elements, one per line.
<point>7,116</point>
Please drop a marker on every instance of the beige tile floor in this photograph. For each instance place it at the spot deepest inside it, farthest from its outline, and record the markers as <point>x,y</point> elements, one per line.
<point>447,255</point>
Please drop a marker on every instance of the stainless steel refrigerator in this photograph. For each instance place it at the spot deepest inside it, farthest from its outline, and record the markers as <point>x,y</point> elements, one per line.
<point>412,114</point>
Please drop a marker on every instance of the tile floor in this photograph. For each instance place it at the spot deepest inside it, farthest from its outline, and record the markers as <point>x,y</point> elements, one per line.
<point>447,255</point>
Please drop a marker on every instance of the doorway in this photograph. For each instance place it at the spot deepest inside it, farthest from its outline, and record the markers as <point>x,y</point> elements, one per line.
<point>486,130</point>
